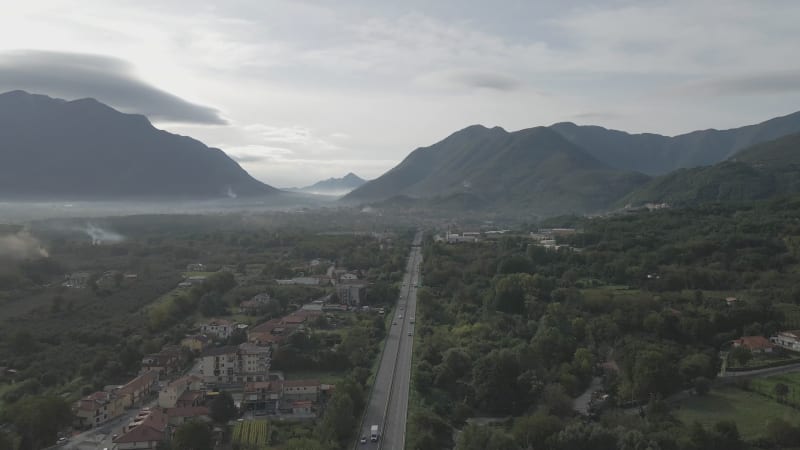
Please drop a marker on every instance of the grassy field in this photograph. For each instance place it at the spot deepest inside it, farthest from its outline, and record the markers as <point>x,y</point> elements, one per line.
<point>764,359</point>
<point>766,386</point>
<point>749,410</point>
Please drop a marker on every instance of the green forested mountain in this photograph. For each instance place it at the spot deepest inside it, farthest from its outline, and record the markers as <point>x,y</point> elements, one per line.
<point>536,169</point>
<point>655,154</point>
<point>83,149</point>
<point>760,171</point>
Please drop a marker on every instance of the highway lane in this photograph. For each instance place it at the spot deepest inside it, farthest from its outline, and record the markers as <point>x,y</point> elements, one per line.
<point>388,402</point>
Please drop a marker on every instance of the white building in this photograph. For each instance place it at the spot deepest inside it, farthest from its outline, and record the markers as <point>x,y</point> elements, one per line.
<point>236,364</point>
<point>789,340</point>
<point>218,327</point>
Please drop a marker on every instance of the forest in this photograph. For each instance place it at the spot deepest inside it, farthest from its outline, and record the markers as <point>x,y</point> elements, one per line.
<point>514,331</point>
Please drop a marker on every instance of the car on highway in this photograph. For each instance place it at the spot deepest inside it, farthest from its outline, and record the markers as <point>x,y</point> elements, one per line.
<point>363,439</point>
<point>61,441</point>
<point>410,333</point>
<point>394,323</point>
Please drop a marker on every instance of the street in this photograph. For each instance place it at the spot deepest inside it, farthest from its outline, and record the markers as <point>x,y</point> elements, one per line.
<point>387,406</point>
<point>100,437</point>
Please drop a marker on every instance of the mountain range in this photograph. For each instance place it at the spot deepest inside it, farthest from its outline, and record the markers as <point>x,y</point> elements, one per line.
<point>334,186</point>
<point>654,154</point>
<point>567,168</point>
<point>83,149</point>
<point>535,168</point>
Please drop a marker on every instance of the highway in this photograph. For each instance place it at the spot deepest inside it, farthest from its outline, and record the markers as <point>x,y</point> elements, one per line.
<point>387,406</point>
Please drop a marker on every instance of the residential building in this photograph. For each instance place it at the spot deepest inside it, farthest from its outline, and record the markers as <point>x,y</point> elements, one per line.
<point>352,293</point>
<point>167,361</point>
<point>172,392</point>
<point>303,408</point>
<point>220,328</point>
<point>255,304</point>
<point>789,340</point>
<point>254,362</point>
<point>76,280</point>
<point>236,364</point>
<point>178,416</point>
<point>262,396</point>
<point>301,390</point>
<point>756,344</point>
<point>97,409</point>
<point>139,389</point>
<point>196,342</point>
<point>145,432</point>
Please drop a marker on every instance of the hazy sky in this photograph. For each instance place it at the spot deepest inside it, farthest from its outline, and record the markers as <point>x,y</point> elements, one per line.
<point>299,91</point>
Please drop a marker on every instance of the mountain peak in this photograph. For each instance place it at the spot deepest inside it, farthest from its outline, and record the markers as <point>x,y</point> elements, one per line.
<point>335,186</point>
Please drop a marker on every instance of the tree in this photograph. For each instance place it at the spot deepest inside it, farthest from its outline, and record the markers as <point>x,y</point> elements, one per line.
<point>781,391</point>
<point>582,436</point>
<point>6,443</point>
<point>303,444</point>
<point>495,381</point>
<point>741,355</point>
<point>193,436</point>
<point>223,409</point>
<point>38,420</point>
<point>531,431</point>
<point>477,437</point>
<point>701,385</point>
<point>339,420</point>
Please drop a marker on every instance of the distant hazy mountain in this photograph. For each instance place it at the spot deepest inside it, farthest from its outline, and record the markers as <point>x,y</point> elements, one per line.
<point>83,149</point>
<point>758,172</point>
<point>536,169</point>
<point>334,186</point>
<point>655,154</point>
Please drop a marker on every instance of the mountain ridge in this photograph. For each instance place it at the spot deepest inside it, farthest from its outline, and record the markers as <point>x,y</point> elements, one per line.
<point>84,149</point>
<point>533,168</point>
<point>757,172</point>
<point>655,154</point>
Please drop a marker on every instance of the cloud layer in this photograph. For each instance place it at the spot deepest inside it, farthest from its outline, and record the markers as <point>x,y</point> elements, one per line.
<point>109,80</point>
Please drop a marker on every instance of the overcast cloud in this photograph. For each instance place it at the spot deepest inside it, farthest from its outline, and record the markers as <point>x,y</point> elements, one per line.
<point>110,80</point>
<point>314,89</point>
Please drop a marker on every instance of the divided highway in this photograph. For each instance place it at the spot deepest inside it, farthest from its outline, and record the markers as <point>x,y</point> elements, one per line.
<point>387,406</point>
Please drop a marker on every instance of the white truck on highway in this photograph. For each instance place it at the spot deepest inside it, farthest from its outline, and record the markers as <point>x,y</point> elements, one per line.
<point>373,433</point>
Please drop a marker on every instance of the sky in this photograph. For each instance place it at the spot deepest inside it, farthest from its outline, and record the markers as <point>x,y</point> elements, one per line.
<point>299,91</point>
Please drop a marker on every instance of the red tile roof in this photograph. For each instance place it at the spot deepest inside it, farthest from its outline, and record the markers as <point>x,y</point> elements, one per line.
<point>142,433</point>
<point>146,379</point>
<point>753,342</point>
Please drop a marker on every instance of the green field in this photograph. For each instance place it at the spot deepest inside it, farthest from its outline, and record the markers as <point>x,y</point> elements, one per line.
<point>330,377</point>
<point>251,434</point>
<point>749,410</point>
<point>766,386</point>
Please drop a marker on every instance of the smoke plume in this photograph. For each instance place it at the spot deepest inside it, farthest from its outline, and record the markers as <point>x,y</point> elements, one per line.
<point>101,236</point>
<point>21,245</point>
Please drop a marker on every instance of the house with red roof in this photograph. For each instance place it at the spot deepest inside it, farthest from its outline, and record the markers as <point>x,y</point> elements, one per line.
<point>144,432</point>
<point>756,344</point>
